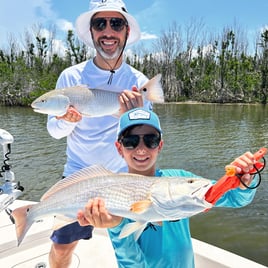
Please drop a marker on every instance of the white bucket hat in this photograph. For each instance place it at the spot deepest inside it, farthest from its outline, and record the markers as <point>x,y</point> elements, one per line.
<point>83,21</point>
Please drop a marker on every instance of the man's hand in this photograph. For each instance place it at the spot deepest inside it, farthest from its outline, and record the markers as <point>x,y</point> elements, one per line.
<point>130,99</point>
<point>72,115</point>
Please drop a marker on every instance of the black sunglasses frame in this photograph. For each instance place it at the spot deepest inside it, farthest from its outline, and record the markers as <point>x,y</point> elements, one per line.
<point>100,24</point>
<point>131,142</point>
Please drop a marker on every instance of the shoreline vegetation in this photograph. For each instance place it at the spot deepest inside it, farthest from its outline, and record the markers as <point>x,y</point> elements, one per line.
<point>205,69</point>
<point>190,102</point>
<point>186,102</point>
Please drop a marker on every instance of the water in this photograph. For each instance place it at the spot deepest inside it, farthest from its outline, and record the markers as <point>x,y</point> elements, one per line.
<point>201,138</point>
<point>36,158</point>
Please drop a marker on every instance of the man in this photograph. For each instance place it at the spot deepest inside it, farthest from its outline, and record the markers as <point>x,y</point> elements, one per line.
<point>108,28</point>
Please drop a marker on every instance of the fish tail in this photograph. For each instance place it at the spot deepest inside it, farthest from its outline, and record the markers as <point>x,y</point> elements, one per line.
<point>22,221</point>
<point>153,90</point>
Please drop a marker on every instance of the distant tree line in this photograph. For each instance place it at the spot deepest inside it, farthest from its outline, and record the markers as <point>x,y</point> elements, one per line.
<point>194,65</point>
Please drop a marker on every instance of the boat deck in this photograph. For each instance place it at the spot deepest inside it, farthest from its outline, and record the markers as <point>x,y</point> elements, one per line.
<point>96,252</point>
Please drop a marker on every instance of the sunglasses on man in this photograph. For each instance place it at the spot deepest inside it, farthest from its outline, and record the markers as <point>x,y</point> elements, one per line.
<point>151,141</point>
<point>100,24</point>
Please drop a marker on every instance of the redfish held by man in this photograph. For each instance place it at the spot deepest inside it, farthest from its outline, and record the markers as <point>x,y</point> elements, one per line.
<point>140,198</point>
<point>92,102</point>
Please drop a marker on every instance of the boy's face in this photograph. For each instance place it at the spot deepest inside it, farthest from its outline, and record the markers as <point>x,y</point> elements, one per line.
<point>141,159</point>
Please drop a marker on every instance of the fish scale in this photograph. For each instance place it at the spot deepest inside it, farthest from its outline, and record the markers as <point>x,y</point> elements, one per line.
<point>93,101</point>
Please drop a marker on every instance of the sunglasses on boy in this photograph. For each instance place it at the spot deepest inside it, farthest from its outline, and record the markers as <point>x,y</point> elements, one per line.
<point>100,24</point>
<point>151,141</point>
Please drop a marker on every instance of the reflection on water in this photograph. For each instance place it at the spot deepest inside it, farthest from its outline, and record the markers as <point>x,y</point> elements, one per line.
<point>202,138</point>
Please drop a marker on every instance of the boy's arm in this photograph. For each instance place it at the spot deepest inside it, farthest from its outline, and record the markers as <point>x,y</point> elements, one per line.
<point>127,250</point>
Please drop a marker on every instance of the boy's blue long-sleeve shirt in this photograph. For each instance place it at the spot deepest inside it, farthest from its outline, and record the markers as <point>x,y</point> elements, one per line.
<point>168,245</point>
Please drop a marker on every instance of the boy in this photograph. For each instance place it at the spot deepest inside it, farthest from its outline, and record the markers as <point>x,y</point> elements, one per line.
<point>167,244</point>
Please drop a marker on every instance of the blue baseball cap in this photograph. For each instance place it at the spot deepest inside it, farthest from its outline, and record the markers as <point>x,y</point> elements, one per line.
<point>138,116</point>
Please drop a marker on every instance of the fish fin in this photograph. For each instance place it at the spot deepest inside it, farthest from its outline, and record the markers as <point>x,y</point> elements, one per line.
<point>153,90</point>
<point>61,221</point>
<point>86,115</point>
<point>116,115</point>
<point>81,87</point>
<point>135,228</point>
<point>140,206</point>
<point>22,222</point>
<point>81,175</point>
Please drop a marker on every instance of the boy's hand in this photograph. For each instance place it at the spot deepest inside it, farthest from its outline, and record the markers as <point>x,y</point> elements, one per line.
<point>95,214</point>
<point>244,164</point>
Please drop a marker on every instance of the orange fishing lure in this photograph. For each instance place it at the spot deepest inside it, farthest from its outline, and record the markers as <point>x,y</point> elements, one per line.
<point>231,179</point>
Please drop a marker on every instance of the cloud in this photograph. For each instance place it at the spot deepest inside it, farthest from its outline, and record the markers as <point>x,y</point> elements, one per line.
<point>148,17</point>
<point>148,36</point>
<point>264,28</point>
<point>59,48</point>
<point>16,16</point>
<point>206,50</point>
<point>64,25</point>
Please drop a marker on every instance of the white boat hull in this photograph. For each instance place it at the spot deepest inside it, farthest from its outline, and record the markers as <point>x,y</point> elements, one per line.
<point>96,252</point>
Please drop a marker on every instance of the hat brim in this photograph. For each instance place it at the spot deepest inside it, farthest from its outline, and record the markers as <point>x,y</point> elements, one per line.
<point>138,116</point>
<point>119,134</point>
<point>83,27</point>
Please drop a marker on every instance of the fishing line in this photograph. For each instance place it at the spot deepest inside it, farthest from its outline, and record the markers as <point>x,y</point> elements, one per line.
<point>257,172</point>
<point>150,225</point>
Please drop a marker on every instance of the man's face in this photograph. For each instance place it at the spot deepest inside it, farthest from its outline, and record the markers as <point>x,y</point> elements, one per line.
<point>109,41</point>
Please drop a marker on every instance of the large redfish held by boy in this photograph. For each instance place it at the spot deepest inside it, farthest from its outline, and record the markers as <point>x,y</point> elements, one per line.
<point>140,198</point>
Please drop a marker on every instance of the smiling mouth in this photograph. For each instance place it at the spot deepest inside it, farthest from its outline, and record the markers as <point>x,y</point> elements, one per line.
<point>141,159</point>
<point>108,43</point>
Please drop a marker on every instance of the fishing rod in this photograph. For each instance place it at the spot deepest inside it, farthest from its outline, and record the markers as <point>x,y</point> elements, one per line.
<point>10,189</point>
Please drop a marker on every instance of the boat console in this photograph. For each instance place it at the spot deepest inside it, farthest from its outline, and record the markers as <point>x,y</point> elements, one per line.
<point>10,190</point>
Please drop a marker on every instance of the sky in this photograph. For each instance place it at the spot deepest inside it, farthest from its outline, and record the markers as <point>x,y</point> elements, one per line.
<point>153,16</point>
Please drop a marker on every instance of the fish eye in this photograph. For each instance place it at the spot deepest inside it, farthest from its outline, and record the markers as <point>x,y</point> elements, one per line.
<point>190,181</point>
<point>144,89</point>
